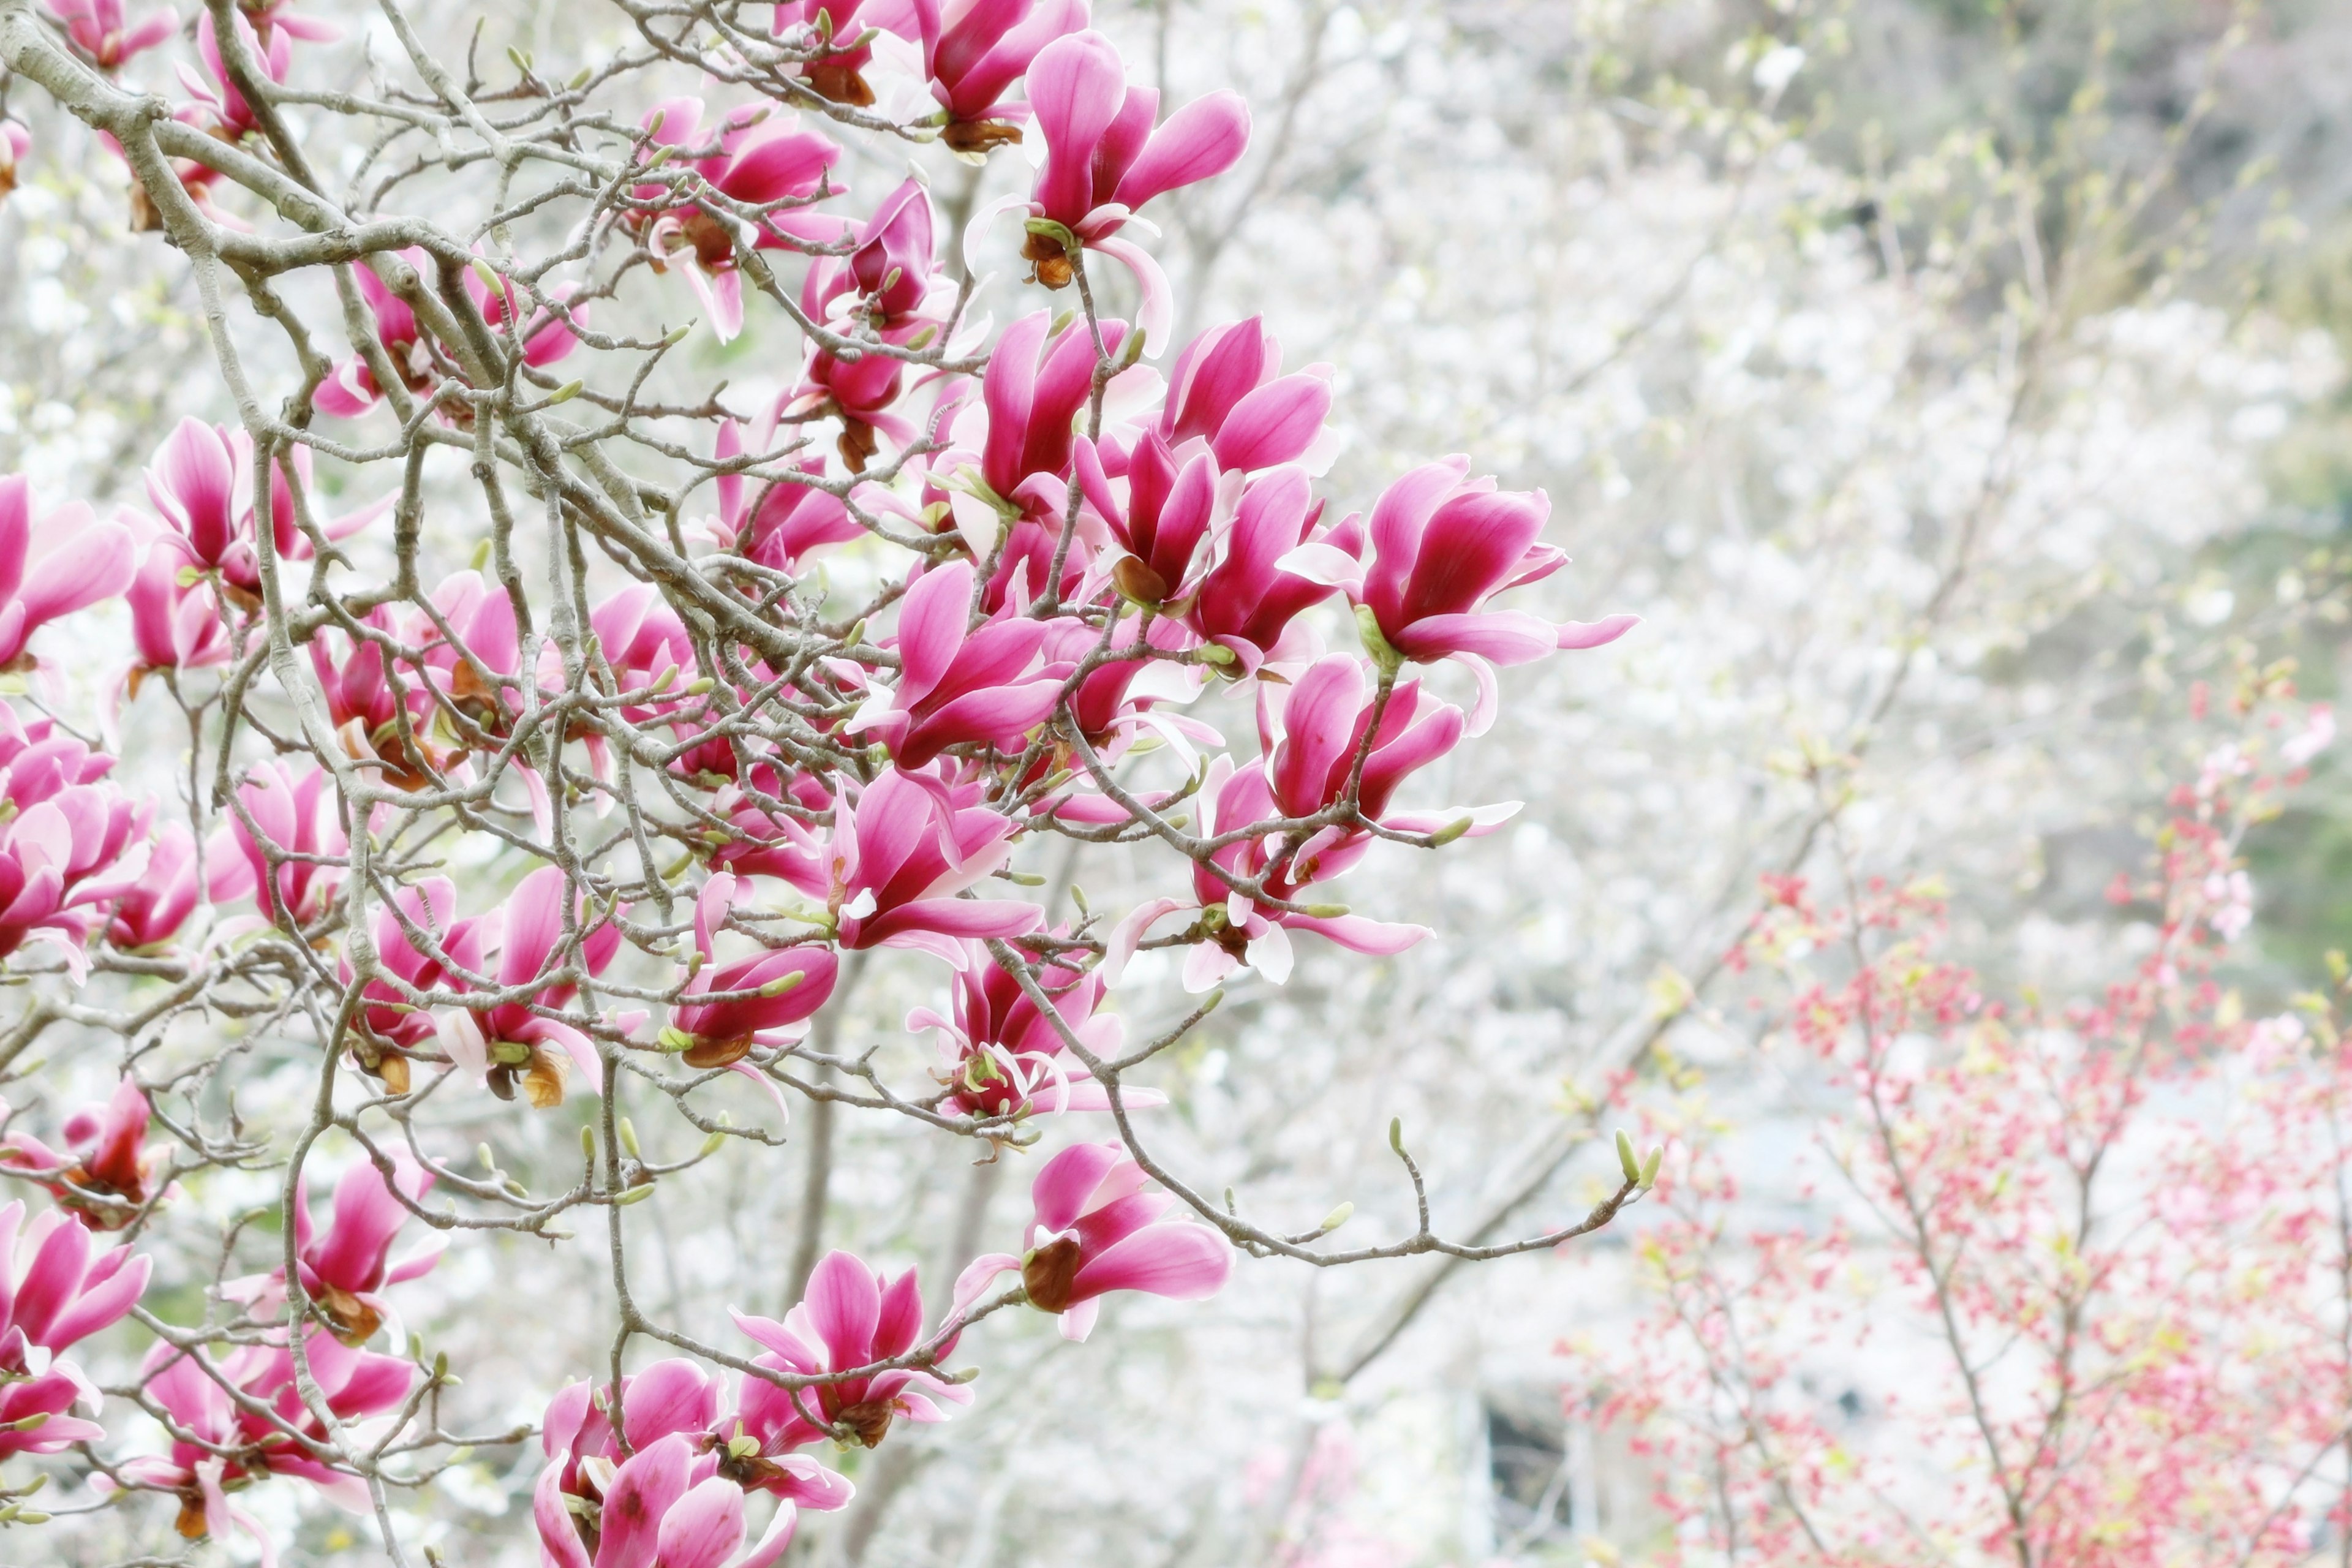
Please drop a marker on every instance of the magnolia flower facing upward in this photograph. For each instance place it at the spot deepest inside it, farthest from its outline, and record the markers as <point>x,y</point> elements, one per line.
<point>1104,159</point>
<point>1097,1230</point>
<point>345,1270</point>
<point>897,861</point>
<point>1002,1055</point>
<point>957,686</point>
<point>69,562</point>
<point>850,1317</point>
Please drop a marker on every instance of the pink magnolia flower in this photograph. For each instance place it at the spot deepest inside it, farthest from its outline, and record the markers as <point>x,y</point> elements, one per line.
<point>233,117</point>
<point>1001,1055</point>
<point>788,985</point>
<point>1033,389</point>
<point>271,16</point>
<point>108,1173</point>
<point>67,562</point>
<point>395,1023</point>
<point>366,706</point>
<point>1097,1230</point>
<point>1104,161</point>
<point>1247,601</point>
<point>664,1505</point>
<point>1227,388</point>
<point>509,1040</point>
<point>850,1317</point>
<point>67,827</point>
<point>1167,517</point>
<point>295,818</point>
<point>56,1289</point>
<point>15,146</point>
<point>546,338</point>
<point>957,688</point>
<point>1324,718</point>
<point>889,288</point>
<point>234,1447</point>
<point>899,859</point>
<point>99,29</point>
<point>787,522</point>
<point>202,481</point>
<point>1442,545</point>
<point>836,74</point>
<point>755,158</point>
<point>670,1400</point>
<point>151,912</point>
<point>974,50</point>
<point>176,625</point>
<point>345,1270</point>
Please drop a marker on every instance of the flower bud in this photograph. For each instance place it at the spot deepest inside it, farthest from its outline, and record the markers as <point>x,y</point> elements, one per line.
<point>633,1194</point>
<point>1650,1167</point>
<point>1626,1161</point>
<point>629,1138</point>
<point>1337,1218</point>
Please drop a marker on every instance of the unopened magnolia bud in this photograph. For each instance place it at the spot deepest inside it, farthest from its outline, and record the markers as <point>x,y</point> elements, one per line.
<point>1131,350</point>
<point>782,983</point>
<point>678,336</point>
<point>482,1152</point>
<point>31,1516</point>
<point>962,1374</point>
<point>628,1137</point>
<point>1024,878</point>
<point>1396,1134</point>
<point>565,393</point>
<point>29,1423</point>
<point>1368,628</point>
<point>635,1194</point>
<point>1337,1218</point>
<point>1626,1160</point>
<point>440,1365</point>
<point>712,1144</point>
<point>1078,897</point>
<point>514,1189</point>
<point>1650,1167</point>
<point>1327,911</point>
<point>588,1141</point>
<point>1450,832</point>
<point>522,60</point>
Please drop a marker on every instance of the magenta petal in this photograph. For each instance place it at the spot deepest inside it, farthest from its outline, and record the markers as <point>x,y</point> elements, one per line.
<point>1068,1179</point>
<point>843,1306</point>
<point>932,622</point>
<point>704,1528</point>
<point>103,1305</point>
<point>1076,85</point>
<point>1198,141</point>
<point>1505,636</point>
<point>672,1395</point>
<point>1378,938</point>
<point>50,1283</point>
<point>1186,1262</point>
<point>644,1491</point>
<point>778,1339</point>
<point>367,1216</point>
<point>559,1540</point>
<point>1276,424</point>
<point>975,919</point>
<point>534,926</point>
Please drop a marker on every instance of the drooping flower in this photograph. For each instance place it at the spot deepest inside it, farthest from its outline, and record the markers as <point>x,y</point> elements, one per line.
<point>850,1317</point>
<point>176,625</point>
<point>787,984</point>
<point>974,50</point>
<point>294,820</point>
<point>233,117</point>
<point>226,1447</point>
<point>1098,1229</point>
<point>755,157</point>
<point>108,1173</point>
<point>784,524</point>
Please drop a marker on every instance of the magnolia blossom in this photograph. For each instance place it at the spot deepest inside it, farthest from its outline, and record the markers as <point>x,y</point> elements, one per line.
<point>1097,1230</point>
<point>899,859</point>
<point>515,1040</point>
<point>1104,159</point>
<point>56,1289</point>
<point>100,30</point>
<point>972,51</point>
<point>786,986</point>
<point>956,686</point>
<point>546,338</point>
<point>15,146</point>
<point>1002,1055</point>
<point>345,1270</point>
<point>755,157</point>
<point>69,562</point>
<point>852,1317</point>
<point>108,1175</point>
<point>288,818</point>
